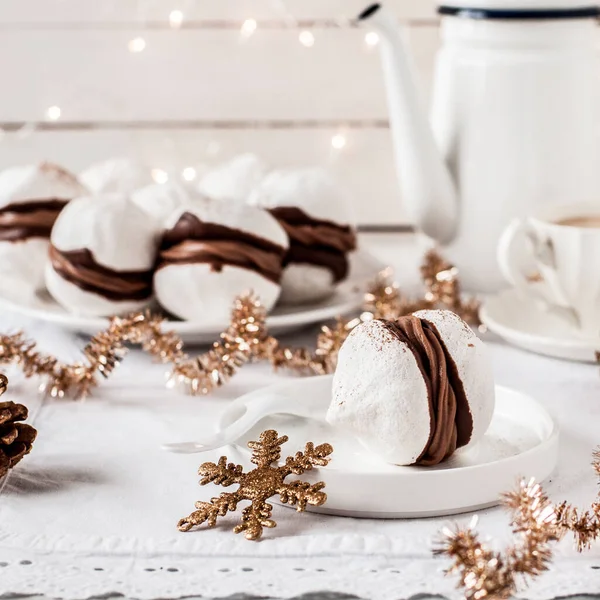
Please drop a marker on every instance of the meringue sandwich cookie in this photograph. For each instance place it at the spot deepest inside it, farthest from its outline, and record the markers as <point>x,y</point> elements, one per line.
<point>234,180</point>
<point>316,215</point>
<point>31,198</point>
<point>414,390</point>
<point>213,251</point>
<point>161,200</point>
<point>116,175</point>
<point>102,255</point>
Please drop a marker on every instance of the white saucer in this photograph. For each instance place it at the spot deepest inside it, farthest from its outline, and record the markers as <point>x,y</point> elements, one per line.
<point>348,297</point>
<point>521,441</point>
<point>520,321</point>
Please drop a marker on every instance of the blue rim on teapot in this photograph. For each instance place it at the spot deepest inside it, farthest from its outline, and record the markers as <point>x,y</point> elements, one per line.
<point>583,12</point>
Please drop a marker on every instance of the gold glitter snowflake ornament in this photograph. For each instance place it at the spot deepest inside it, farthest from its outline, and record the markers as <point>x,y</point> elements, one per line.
<point>260,484</point>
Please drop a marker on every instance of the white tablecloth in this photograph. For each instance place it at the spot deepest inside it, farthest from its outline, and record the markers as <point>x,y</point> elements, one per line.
<point>93,509</point>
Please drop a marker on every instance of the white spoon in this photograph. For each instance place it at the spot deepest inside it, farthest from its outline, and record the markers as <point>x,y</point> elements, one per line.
<point>243,414</point>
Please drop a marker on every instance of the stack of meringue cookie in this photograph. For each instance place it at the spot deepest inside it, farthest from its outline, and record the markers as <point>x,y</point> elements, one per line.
<point>110,241</point>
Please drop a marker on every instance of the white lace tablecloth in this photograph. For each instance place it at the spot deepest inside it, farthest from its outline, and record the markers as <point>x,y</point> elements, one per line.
<point>93,509</point>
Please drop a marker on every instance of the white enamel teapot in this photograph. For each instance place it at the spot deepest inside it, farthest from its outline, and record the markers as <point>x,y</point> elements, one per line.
<point>515,124</point>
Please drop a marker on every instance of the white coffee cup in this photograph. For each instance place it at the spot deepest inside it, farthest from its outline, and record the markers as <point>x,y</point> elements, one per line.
<point>564,244</point>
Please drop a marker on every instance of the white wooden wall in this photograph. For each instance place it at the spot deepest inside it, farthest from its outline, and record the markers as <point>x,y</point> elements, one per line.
<point>201,93</point>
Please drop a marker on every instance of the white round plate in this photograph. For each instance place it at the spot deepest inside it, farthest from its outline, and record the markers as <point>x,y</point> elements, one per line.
<point>521,441</point>
<point>520,321</point>
<point>349,296</point>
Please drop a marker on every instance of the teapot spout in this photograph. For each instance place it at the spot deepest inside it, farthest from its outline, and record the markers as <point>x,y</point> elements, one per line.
<point>427,186</point>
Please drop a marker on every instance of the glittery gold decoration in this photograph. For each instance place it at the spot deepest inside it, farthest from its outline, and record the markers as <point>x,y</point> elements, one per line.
<point>106,349</point>
<point>102,354</point>
<point>537,523</point>
<point>384,300</point>
<point>304,361</point>
<point>486,573</point>
<point>584,525</point>
<point>259,485</point>
<point>443,289</point>
<point>236,346</point>
<point>16,438</point>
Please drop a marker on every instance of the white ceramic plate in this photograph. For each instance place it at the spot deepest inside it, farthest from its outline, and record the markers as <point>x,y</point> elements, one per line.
<point>520,321</point>
<point>521,441</point>
<point>283,319</point>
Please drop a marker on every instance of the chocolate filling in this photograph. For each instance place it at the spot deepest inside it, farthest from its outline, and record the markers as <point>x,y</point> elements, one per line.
<point>81,269</point>
<point>316,242</point>
<point>192,241</point>
<point>26,220</point>
<point>451,419</point>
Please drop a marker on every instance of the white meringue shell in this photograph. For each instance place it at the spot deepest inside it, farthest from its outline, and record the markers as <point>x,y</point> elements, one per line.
<point>161,200</point>
<point>234,180</point>
<point>311,189</point>
<point>120,235</point>
<point>379,394</point>
<point>115,175</point>
<point>34,183</point>
<point>194,292</point>
<point>305,284</point>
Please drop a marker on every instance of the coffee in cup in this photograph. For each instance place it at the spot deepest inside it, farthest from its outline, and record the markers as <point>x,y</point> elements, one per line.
<point>591,221</point>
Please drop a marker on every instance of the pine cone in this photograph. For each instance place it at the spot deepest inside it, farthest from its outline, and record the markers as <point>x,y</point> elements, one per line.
<point>16,438</point>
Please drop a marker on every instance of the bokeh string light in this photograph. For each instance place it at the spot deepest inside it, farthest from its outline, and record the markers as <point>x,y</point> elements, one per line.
<point>136,45</point>
<point>338,141</point>
<point>175,19</point>
<point>53,113</point>
<point>189,174</point>
<point>307,38</point>
<point>159,175</point>
<point>372,38</point>
<point>182,12</point>
<point>248,28</point>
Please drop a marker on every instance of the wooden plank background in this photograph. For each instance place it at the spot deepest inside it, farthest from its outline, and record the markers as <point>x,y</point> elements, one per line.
<point>189,74</point>
<point>45,12</point>
<point>200,93</point>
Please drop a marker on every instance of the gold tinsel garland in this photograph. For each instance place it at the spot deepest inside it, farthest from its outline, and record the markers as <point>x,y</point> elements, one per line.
<point>236,346</point>
<point>102,353</point>
<point>486,573</point>
<point>247,338</point>
<point>536,524</point>
<point>106,349</point>
<point>584,525</point>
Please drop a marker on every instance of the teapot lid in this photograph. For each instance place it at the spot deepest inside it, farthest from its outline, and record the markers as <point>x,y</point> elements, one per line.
<point>520,9</point>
